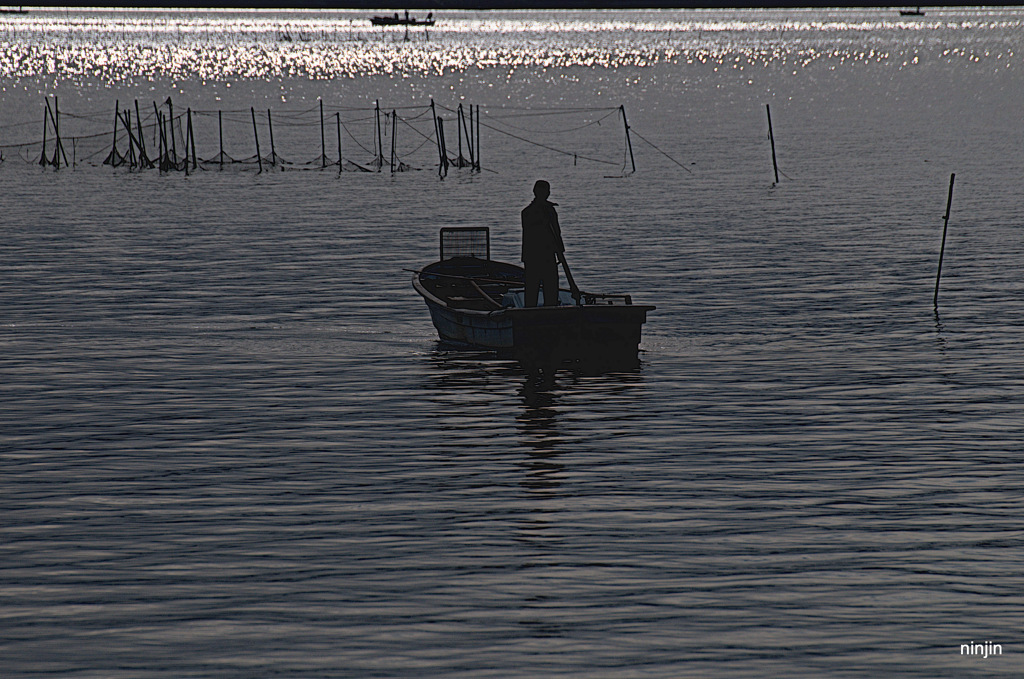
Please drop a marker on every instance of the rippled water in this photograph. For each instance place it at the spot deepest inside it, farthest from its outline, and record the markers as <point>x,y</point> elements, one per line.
<point>231,445</point>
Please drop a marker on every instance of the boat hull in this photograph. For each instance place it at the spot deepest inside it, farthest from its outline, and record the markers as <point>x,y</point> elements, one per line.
<point>472,330</point>
<point>555,330</point>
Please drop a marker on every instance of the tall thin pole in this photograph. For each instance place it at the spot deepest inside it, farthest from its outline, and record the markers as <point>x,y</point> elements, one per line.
<point>132,141</point>
<point>477,146</point>
<point>135,142</point>
<point>192,136</point>
<point>629,144</point>
<point>444,146</point>
<point>942,250</point>
<point>112,156</point>
<point>56,132</point>
<point>162,144</point>
<point>158,130</point>
<point>380,140</point>
<point>394,131</point>
<point>323,142</point>
<point>165,155</point>
<point>220,132</point>
<point>437,136</point>
<point>771,137</point>
<point>188,137</point>
<point>46,115</point>
<point>256,134</point>
<point>172,163</point>
<point>472,142</point>
<point>337,117</point>
<point>143,156</point>
<point>273,149</point>
<point>174,144</point>
<point>126,120</point>
<point>459,124</point>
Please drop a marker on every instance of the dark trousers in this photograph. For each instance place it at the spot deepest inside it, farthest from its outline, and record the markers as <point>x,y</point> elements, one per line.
<point>543,274</point>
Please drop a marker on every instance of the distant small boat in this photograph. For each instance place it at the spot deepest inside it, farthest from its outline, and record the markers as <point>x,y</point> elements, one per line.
<point>912,12</point>
<point>399,21</point>
<point>13,10</point>
<point>477,303</point>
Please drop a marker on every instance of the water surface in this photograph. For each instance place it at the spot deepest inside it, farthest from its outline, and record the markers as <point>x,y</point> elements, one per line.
<point>232,445</point>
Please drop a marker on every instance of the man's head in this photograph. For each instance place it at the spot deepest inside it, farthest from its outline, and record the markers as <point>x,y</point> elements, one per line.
<point>541,189</point>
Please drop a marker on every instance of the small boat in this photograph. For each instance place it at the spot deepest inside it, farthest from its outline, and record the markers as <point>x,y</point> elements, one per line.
<point>399,21</point>
<point>911,12</point>
<point>478,303</point>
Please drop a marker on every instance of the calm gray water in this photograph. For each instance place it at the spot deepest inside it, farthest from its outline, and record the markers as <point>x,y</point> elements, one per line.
<point>232,447</point>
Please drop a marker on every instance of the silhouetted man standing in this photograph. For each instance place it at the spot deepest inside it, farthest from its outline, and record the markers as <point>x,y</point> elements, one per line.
<point>542,240</point>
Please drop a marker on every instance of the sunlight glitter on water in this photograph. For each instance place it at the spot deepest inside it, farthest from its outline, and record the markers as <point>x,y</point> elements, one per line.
<point>116,45</point>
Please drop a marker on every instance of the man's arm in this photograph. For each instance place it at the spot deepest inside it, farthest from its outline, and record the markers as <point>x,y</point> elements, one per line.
<point>556,230</point>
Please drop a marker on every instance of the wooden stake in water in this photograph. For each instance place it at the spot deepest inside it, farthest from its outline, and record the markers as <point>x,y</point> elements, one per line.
<point>472,140</point>
<point>380,139</point>
<point>162,144</point>
<point>56,131</point>
<point>394,133</point>
<point>159,138</point>
<point>273,149</point>
<point>174,144</point>
<point>143,156</point>
<point>323,142</point>
<point>56,135</point>
<point>126,120</point>
<point>158,130</point>
<point>437,136</point>
<point>55,120</point>
<point>337,117</point>
<point>165,137</point>
<point>629,144</point>
<point>459,124</point>
<point>113,156</point>
<point>188,138</point>
<point>444,146</point>
<point>256,134</point>
<point>771,137</point>
<point>192,136</point>
<point>46,116</point>
<point>132,142</point>
<point>220,132</point>
<point>942,250</point>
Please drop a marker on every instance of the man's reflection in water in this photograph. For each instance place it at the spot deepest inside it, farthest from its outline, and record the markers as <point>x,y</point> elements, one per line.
<point>538,422</point>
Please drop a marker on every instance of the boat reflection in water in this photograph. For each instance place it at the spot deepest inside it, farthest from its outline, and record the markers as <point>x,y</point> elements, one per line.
<point>477,399</point>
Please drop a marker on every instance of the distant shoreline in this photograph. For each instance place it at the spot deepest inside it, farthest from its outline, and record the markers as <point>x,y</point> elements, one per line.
<point>456,5</point>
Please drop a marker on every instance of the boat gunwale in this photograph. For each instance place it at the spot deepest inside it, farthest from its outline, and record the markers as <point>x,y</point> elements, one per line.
<point>431,297</point>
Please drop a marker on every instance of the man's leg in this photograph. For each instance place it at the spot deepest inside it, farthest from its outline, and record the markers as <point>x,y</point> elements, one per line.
<point>550,282</point>
<point>532,283</point>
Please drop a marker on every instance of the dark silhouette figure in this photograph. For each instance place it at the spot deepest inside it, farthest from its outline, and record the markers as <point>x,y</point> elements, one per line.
<point>542,242</point>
